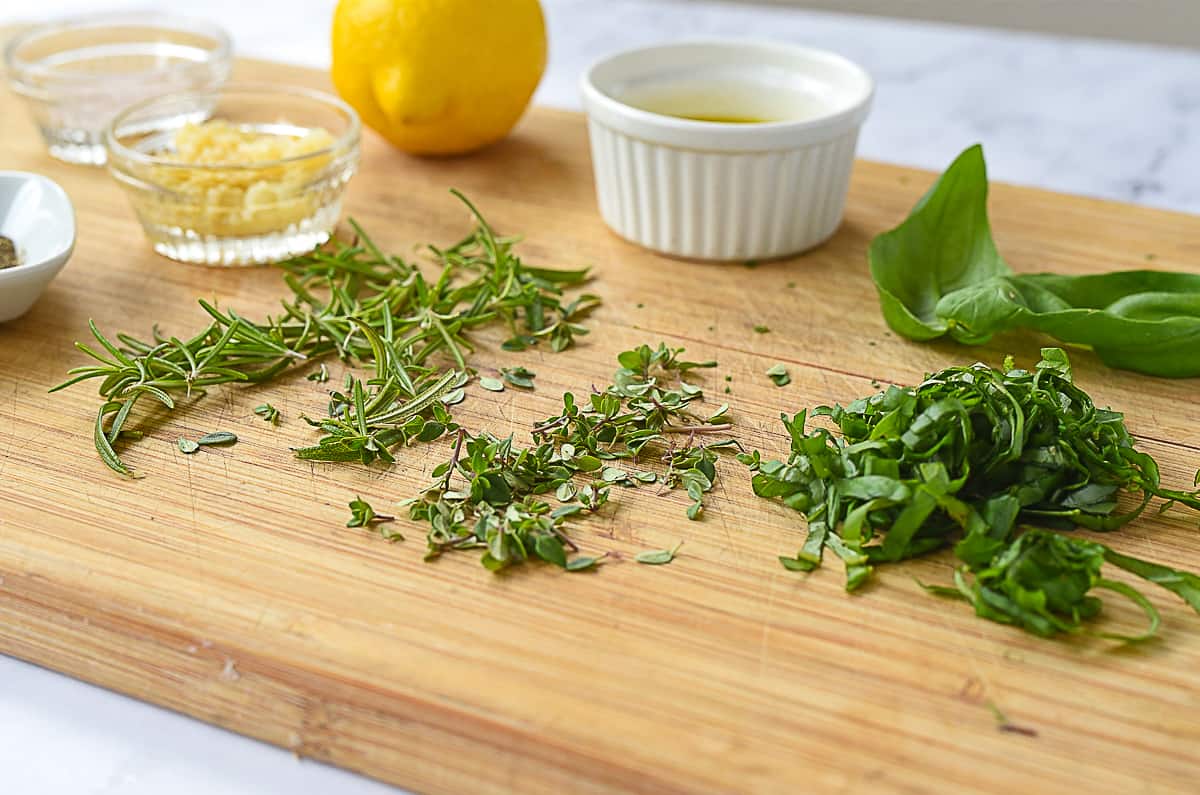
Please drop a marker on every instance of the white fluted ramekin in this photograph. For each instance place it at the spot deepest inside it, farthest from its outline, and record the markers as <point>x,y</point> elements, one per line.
<point>723,191</point>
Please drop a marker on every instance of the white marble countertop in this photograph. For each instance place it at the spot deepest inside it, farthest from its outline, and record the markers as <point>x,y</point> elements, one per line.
<point>1098,118</point>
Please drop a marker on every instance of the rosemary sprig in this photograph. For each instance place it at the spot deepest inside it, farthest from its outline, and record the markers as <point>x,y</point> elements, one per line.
<point>354,301</point>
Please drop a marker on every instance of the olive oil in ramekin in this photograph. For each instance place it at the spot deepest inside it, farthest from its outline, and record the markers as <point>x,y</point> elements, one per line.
<point>722,119</point>
<point>725,101</point>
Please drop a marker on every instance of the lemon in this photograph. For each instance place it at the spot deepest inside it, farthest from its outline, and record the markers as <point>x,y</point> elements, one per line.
<point>439,76</point>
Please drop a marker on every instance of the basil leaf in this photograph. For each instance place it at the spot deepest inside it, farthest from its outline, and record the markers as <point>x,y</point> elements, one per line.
<point>943,246</point>
<point>971,458</point>
<point>939,273</point>
<point>1181,583</point>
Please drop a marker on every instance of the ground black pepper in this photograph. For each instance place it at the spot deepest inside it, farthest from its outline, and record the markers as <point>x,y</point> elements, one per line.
<point>8,253</point>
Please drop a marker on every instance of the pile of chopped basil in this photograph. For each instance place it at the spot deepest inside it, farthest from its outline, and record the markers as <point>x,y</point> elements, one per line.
<point>965,460</point>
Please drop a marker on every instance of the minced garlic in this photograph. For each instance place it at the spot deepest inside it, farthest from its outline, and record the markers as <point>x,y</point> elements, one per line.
<point>239,202</point>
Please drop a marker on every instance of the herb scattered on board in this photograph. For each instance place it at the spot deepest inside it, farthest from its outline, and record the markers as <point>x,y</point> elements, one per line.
<point>648,404</point>
<point>363,515</point>
<point>518,377</point>
<point>659,557</point>
<point>762,330</point>
<point>939,273</point>
<point>217,438</point>
<point>268,413</point>
<point>492,495</point>
<point>962,460</point>
<point>779,375</point>
<point>187,446</point>
<point>354,301</point>
<point>8,253</point>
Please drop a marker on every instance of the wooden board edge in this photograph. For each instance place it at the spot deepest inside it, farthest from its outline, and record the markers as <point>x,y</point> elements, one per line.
<point>423,745</point>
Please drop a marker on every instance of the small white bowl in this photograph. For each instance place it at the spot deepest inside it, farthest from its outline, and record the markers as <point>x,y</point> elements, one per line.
<point>36,214</point>
<point>715,190</point>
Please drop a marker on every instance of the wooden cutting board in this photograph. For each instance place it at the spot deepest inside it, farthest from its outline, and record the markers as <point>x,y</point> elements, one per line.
<point>226,586</point>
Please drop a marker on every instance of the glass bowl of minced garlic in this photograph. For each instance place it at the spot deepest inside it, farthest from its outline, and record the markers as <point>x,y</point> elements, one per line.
<point>244,175</point>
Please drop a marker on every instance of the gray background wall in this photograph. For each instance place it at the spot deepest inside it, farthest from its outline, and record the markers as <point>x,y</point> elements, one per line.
<point>1174,22</point>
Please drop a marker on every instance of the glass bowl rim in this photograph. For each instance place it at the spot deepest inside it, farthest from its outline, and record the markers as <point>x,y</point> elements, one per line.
<point>346,142</point>
<point>21,68</point>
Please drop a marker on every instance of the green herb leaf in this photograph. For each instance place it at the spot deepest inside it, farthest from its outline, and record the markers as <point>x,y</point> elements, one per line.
<point>268,413</point>
<point>217,438</point>
<point>939,273</point>
<point>1181,583</point>
<point>363,515</point>
<point>550,549</point>
<point>519,377</point>
<point>582,563</point>
<point>492,384</point>
<point>187,446</point>
<point>779,375</point>
<point>658,557</point>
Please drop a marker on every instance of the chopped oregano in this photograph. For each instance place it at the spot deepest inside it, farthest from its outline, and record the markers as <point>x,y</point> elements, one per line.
<point>488,495</point>
<point>187,446</point>
<point>217,438</point>
<point>647,405</point>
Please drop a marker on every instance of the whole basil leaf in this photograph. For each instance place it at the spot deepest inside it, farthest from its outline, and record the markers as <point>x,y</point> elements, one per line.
<point>944,245</point>
<point>939,273</point>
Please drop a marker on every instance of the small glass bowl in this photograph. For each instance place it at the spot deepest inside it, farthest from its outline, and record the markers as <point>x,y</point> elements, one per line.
<point>245,213</point>
<point>76,74</point>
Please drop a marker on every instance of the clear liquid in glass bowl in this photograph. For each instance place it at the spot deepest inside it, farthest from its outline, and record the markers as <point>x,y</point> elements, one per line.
<point>76,76</point>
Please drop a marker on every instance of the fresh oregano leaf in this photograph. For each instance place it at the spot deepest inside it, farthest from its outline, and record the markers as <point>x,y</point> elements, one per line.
<point>519,377</point>
<point>658,557</point>
<point>779,375</point>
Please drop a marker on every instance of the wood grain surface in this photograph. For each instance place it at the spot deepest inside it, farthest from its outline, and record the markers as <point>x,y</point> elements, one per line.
<point>225,585</point>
